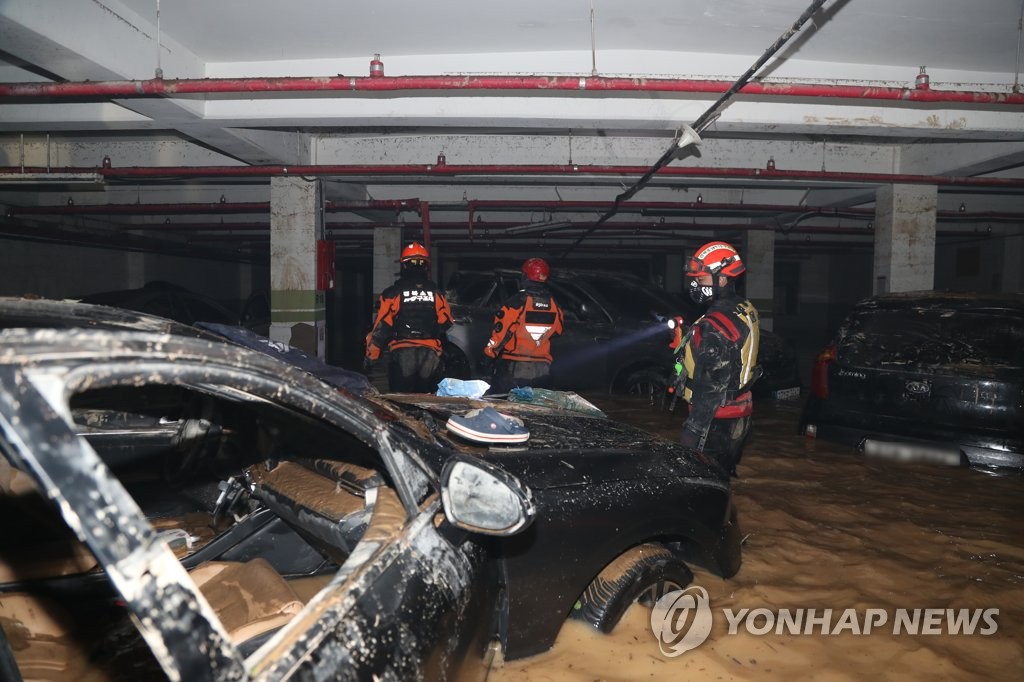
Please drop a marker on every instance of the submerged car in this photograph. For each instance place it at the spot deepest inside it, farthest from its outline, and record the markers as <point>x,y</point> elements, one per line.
<point>177,505</point>
<point>925,376</point>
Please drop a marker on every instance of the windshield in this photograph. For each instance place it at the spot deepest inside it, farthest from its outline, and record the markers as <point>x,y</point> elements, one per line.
<point>630,298</point>
<point>932,337</point>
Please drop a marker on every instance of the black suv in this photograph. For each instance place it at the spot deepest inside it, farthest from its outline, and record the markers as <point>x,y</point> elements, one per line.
<point>925,376</point>
<point>615,336</point>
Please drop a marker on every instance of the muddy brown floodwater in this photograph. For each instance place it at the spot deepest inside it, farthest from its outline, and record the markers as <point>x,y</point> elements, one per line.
<point>827,529</point>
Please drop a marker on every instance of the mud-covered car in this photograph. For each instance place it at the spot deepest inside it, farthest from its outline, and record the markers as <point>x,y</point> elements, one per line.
<point>925,376</point>
<point>179,506</point>
<point>47,313</point>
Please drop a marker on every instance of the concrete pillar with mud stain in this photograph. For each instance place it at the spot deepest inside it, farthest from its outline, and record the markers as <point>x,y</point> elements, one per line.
<point>905,238</point>
<point>297,308</point>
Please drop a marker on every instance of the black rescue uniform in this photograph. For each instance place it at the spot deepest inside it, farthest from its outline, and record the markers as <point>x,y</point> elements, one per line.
<point>412,318</point>
<point>521,340</point>
<point>719,358</point>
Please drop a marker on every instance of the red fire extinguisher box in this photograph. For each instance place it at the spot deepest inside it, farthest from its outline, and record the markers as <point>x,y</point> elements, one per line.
<point>325,264</point>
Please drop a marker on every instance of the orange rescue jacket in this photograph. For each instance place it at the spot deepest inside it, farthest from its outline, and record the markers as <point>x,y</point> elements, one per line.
<point>524,327</point>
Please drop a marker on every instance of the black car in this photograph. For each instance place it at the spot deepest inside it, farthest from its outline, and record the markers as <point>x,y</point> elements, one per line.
<point>926,376</point>
<point>616,336</point>
<point>179,505</point>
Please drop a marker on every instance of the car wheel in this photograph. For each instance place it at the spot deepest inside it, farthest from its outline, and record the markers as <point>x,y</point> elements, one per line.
<point>641,574</point>
<point>647,384</point>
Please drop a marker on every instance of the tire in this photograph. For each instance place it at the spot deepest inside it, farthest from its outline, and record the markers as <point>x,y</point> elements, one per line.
<point>646,383</point>
<point>641,574</point>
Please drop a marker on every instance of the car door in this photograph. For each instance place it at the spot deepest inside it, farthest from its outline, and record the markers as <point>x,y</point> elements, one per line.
<point>407,602</point>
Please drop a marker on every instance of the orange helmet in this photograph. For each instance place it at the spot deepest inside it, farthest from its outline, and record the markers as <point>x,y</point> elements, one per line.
<point>715,258</point>
<point>413,252</point>
<point>536,269</point>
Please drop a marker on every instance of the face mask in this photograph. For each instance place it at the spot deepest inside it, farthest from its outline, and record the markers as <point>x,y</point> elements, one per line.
<point>700,294</point>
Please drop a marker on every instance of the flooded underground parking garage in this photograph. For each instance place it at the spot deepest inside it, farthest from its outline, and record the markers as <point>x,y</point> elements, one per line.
<point>933,549</point>
<point>204,203</point>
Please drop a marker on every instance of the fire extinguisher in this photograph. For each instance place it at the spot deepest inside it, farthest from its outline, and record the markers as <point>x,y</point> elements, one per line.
<point>376,67</point>
<point>922,81</point>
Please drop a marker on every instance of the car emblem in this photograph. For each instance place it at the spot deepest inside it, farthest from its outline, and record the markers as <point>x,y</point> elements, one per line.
<point>918,387</point>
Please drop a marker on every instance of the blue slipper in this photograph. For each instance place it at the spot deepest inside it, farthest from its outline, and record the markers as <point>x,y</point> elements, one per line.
<point>487,425</point>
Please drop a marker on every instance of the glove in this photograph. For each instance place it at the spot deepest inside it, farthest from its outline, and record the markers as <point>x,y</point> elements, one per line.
<point>367,365</point>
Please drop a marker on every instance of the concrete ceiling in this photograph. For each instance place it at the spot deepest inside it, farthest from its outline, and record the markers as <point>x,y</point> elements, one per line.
<point>839,98</point>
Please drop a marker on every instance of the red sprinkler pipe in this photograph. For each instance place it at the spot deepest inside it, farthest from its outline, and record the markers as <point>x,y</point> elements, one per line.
<point>449,170</point>
<point>475,206</point>
<point>212,207</point>
<point>158,87</point>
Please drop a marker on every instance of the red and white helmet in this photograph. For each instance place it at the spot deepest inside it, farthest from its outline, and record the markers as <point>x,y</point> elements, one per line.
<point>413,252</point>
<point>715,258</point>
<point>536,269</point>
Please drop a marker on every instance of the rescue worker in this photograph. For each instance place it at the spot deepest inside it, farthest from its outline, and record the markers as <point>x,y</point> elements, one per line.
<point>718,356</point>
<point>520,345</point>
<point>412,319</point>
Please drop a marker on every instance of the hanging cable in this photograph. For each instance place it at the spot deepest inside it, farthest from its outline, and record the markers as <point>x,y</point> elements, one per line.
<point>159,71</point>
<point>706,119</point>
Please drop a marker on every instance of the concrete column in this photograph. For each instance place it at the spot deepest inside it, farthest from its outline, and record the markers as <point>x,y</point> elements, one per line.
<point>387,249</point>
<point>758,254</point>
<point>1013,264</point>
<point>297,308</point>
<point>904,238</point>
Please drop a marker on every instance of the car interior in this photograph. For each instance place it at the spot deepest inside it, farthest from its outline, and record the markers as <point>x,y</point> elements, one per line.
<point>259,503</point>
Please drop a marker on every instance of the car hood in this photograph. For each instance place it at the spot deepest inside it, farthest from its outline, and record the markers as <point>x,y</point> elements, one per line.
<point>565,448</point>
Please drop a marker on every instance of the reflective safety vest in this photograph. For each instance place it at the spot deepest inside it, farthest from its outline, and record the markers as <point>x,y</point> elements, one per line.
<point>741,328</point>
<point>524,327</point>
<point>411,313</point>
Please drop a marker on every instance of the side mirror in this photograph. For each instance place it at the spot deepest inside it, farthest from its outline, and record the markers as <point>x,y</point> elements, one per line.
<point>481,498</point>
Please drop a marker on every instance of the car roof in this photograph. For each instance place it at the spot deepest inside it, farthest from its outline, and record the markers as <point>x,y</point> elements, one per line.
<point>37,313</point>
<point>80,346</point>
<point>946,299</point>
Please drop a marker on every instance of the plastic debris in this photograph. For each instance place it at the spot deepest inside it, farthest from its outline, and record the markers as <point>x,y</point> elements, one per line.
<point>473,388</point>
<point>566,400</point>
